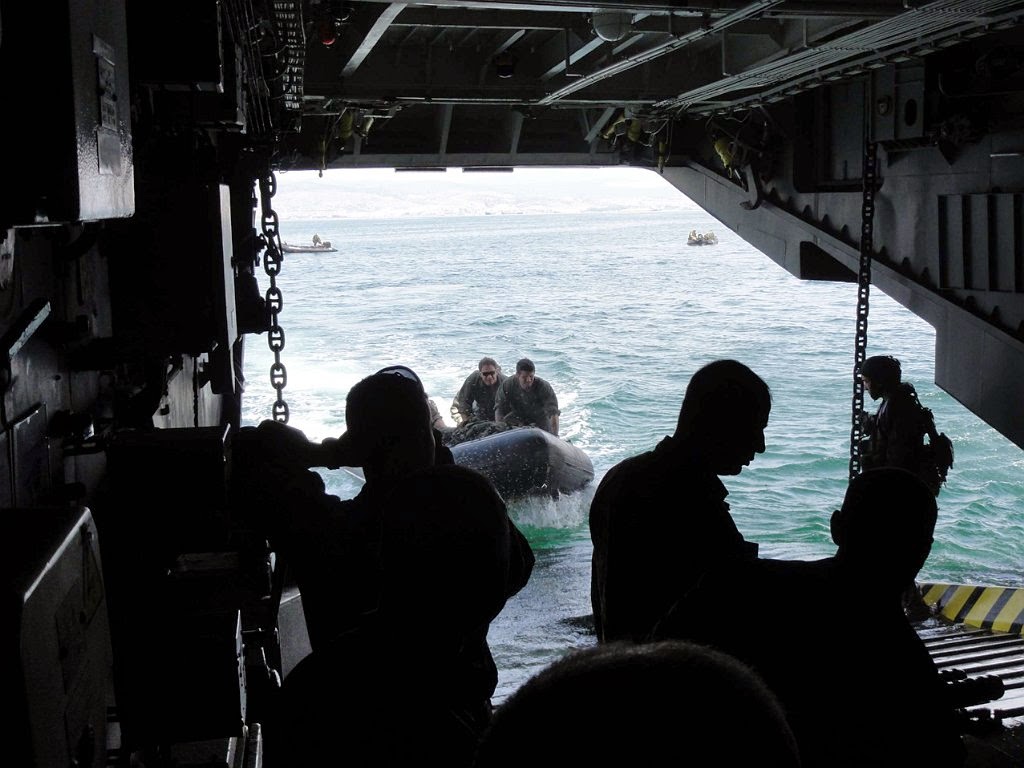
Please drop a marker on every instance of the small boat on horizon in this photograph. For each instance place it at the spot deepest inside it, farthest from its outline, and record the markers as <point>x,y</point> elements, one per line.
<point>707,238</point>
<point>316,246</point>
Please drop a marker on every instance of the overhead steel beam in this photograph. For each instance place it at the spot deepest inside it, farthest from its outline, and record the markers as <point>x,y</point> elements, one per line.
<point>752,10</point>
<point>917,27</point>
<point>571,57</point>
<point>373,36</point>
<point>599,124</point>
<point>793,8</point>
<point>417,16</point>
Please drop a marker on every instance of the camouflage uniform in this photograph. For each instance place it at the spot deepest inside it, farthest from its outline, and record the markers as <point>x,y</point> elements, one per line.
<point>475,400</point>
<point>534,406</point>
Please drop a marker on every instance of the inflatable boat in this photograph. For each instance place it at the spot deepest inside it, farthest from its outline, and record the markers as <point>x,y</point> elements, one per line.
<point>323,247</point>
<point>527,461</point>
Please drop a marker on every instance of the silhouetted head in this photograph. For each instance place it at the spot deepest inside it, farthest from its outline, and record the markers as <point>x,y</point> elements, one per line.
<point>444,551</point>
<point>666,703</point>
<point>388,423</point>
<point>885,526</point>
<point>881,374</point>
<point>724,415</point>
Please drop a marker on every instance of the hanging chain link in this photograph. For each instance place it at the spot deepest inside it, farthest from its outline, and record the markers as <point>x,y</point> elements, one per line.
<point>195,391</point>
<point>275,301</point>
<point>867,230</point>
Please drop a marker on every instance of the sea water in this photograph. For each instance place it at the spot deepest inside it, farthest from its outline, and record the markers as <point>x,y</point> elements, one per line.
<point>617,312</point>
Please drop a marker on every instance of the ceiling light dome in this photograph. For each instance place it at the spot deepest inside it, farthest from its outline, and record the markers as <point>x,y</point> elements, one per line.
<point>612,25</point>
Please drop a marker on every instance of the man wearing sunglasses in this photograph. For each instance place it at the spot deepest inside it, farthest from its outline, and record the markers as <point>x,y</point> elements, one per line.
<point>475,400</point>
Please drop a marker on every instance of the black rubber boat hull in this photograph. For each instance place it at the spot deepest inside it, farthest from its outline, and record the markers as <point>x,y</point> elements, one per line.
<point>526,461</point>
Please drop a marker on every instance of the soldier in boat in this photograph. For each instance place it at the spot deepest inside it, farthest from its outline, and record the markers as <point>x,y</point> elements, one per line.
<point>527,400</point>
<point>476,397</point>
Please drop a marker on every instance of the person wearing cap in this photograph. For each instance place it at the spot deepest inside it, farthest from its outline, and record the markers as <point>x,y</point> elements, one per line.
<point>894,433</point>
<point>527,400</point>
<point>331,546</point>
<point>475,399</point>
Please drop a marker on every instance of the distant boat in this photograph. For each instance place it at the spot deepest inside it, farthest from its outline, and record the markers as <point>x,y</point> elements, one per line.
<point>696,238</point>
<point>324,247</point>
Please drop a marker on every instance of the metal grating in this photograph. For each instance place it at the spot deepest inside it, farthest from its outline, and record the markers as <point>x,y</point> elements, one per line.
<point>973,657</point>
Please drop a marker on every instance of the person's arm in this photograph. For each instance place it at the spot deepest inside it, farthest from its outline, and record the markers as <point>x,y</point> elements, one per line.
<point>871,452</point>
<point>288,446</point>
<point>493,396</point>
<point>502,406</point>
<point>549,403</point>
<point>462,405</point>
<point>435,415</point>
<point>288,498</point>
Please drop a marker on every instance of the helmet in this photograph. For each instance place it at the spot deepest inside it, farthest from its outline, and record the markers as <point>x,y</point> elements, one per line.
<point>883,370</point>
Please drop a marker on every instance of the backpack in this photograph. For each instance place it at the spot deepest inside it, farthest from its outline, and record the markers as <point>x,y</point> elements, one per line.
<point>936,456</point>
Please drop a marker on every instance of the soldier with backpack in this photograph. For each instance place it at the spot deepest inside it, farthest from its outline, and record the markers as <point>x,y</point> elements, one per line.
<point>895,434</point>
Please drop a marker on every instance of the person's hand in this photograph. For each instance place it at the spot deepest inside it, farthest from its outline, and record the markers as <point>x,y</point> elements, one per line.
<point>283,445</point>
<point>337,452</point>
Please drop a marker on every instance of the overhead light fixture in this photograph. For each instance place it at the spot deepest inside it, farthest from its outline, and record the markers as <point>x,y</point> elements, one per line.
<point>612,25</point>
<point>505,64</point>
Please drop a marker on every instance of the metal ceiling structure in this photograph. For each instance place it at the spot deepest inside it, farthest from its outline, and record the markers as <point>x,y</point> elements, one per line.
<point>759,111</point>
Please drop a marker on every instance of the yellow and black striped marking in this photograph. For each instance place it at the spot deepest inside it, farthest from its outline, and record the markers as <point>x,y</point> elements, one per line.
<point>998,609</point>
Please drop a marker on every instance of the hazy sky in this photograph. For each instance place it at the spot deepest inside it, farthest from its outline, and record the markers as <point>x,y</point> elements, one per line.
<point>387,193</point>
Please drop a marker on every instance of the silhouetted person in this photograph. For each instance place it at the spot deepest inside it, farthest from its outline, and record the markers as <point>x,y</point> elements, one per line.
<point>332,546</point>
<point>475,399</point>
<point>657,704</point>
<point>830,636</point>
<point>527,400</point>
<point>406,687</point>
<point>895,433</point>
<point>660,519</point>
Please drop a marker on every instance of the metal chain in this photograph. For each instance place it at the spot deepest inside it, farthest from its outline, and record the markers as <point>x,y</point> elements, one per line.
<point>195,391</point>
<point>275,301</point>
<point>860,346</point>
